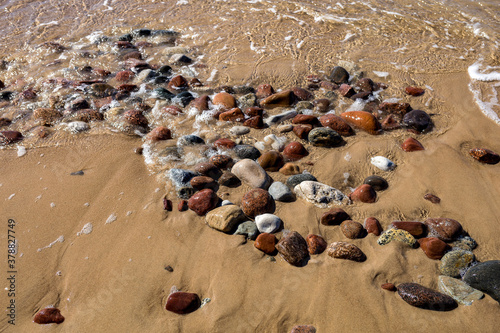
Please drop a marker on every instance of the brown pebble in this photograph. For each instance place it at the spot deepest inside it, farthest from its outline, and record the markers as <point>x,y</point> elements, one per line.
<point>138,150</point>
<point>256,202</point>
<point>177,83</point>
<point>266,243</point>
<point>271,160</point>
<point>432,198</point>
<point>182,205</point>
<point>305,119</point>
<point>293,248</point>
<point>337,124</point>
<point>200,103</point>
<point>389,286</point>
<point>433,247</point>
<point>49,316</point>
<point>172,109</point>
<point>8,137</point>
<point>295,151</point>
<point>302,131</point>
<point>484,155</point>
<point>256,122</point>
<point>124,76</point>
<point>290,169</point>
<point>352,229</point>
<point>234,114</point>
<point>282,98</point>
<point>321,105</point>
<point>412,144</point>
<point>225,100</point>
<point>443,228</point>
<point>208,169</point>
<point>201,182</point>
<point>389,123</point>
<point>362,120</point>
<point>169,268</point>
<point>221,161</point>
<point>414,91</point>
<point>182,302</point>
<point>224,143</point>
<point>334,217</point>
<point>159,133</point>
<point>135,117</point>
<point>167,204</point>
<point>264,90</point>
<point>364,193</point>
<point>254,111</point>
<point>316,244</point>
<point>203,201</point>
<point>416,229</point>
<point>372,226</point>
<point>302,94</point>
<point>346,90</point>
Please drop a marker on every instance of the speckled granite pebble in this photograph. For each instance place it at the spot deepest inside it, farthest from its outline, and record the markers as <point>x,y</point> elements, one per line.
<point>425,298</point>
<point>453,262</point>
<point>397,235</point>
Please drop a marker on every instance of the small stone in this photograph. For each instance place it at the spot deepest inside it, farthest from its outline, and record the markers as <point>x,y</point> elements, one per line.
<point>181,177</point>
<point>234,114</point>
<point>200,103</point>
<point>433,247</point>
<point>344,250</point>
<point>283,98</point>
<point>257,202</point>
<point>352,229</point>
<point>412,144</point>
<point>163,93</point>
<point>281,192</point>
<point>247,152</point>
<point>339,75</point>
<point>458,290</point>
<point>182,302</point>
<point>226,203</point>
<point>264,90</point>
<point>135,117</point>
<point>48,316</point>
<point>389,286</point>
<point>293,248</point>
<point>443,228</point>
<point>295,151</point>
<point>182,206</point>
<point>229,179</point>
<point>290,169</point>
<point>46,116</point>
<point>285,128</point>
<point>377,183</point>
<point>414,91</point>
<point>248,229</point>
<point>251,173</point>
<point>416,229</point>
<point>79,104</point>
<point>254,111</point>
<point>266,243</point>
<point>399,109</point>
<point>484,155</point>
<point>180,59</point>
<point>455,262</point>
<point>321,195</point>
<point>397,235</point>
<point>8,137</point>
<point>225,100</point>
<point>295,180</point>
<point>279,118</point>
<point>372,226</point>
<point>178,82</point>
<point>247,101</point>
<point>224,143</point>
<point>221,161</point>
<point>190,140</point>
<point>268,223</point>
<point>418,121</point>
<point>362,120</point>
<point>302,131</point>
<point>88,115</point>
<point>271,160</point>
<point>432,198</point>
<point>305,119</point>
<point>336,123</point>
<point>425,298</point>
<point>225,218</point>
<point>324,137</point>
<point>255,122</point>
<point>485,276</point>
<point>78,126</point>
<point>389,123</point>
<point>202,182</point>
<point>203,201</point>
<point>169,268</point>
<point>321,105</point>
<point>464,243</point>
<point>4,122</point>
<point>316,244</point>
<point>302,94</point>
<point>174,110</point>
<point>365,85</point>
<point>239,130</point>
<point>208,169</point>
<point>167,204</point>
<point>303,329</point>
<point>160,133</point>
<point>124,76</point>
<point>364,193</point>
<point>383,163</point>
<point>346,90</point>
<point>334,217</point>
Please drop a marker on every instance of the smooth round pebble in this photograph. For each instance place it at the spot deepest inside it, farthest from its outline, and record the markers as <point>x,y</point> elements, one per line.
<point>268,223</point>
<point>239,130</point>
<point>281,192</point>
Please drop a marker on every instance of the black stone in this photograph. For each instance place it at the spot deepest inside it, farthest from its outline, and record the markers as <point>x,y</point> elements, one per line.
<point>485,277</point>
<point>339,75</point>
<point>185,97</point>
<point>163,93</point>
<point>126,38</point>
<point>295,180</point>
<point>378,183</point>
<point>165,70</point>
<point>6,95</point>
<point>417,120</point>
<point>77,173</point>
<point>425,298</point>
<point>247,151</point>
<point>161,79</point>
<point>141,33</point>
<point>181,177</point>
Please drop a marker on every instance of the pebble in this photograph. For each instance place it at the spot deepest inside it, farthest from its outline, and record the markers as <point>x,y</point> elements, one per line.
<point>180,59</point>
<point>416,229</point>
<point>225,100</point>
<point>412,144</point>
<point>316,244</point>
<point>377,183</point>
<point>203,201</point>
<point>425,298</point>
<point>255,122</point>
<point>251,173</point>
<point>295,180</point>
<point>247,151</point>
<point>293,248</point>
<point>364,193</point>
<point>464,243</point>
<point>414,91</point>
<point>305,119</point>
<point>337,124</point>
<point>271,160</point>
<point>247,101</point>
<point>372,226</point>
<point>46,116</point>
<point>226,203</point>
<point>397,235</point>
<point>339,75</point>
<point>324,137</point>
<point>190,140</point>
<point>181,177</point>
<point>264,90</point>
<point>455,262</point>
<point>225,218</point>
<point>344,250</point>
<point>389,286</point>
<point>321,195</point>
<point>433,247</point>
<point>182,302</point>
<point>443,228</point>
<point>418,121</point>
<point>268,223</point>
<point>334,217</point>
<point>321,105</point>
<point>484,155</point>
<point>399,109</point>
<point>383,163</point>
<point>8,137</point>
<point>257,202</point>
<point>281,192</point>
<point>266,243</point>
<point>458,290</point>
<point>229,179</point>
<point>182,205</point>
<point>248,229</point>
<point>167,204</point>
<point>302,94</point>
<point>279,118</point>
<point>363,120</point>
<point>208,169</point>
<point>234,114</point>
<point>352,229</point>
<point>302,131</point>
<point>283,98</point>
<point>48,315</point>
<point>221,161</point>
<point>295,151</point>
<point>78,126</point>
<point>160,133</point>
<point>285,128</point>
<point>277,143</point>
<point>303,329</point>
<point>432,198</point>
<point>290,169</point>
<point>485,276</point>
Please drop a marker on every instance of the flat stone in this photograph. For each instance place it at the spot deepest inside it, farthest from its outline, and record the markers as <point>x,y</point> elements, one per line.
<point>485,276</point>
<point>397,235</point>
<point>264,90</point>
<point>412,144</point>
<point>268,223</point>
<point>281,192</point>
<point>203,201</point>
<point>321,195</point>
<point>266,243</point>
<point>334,217</point>
<point>247,151</point>
<point>48,316</point>
<point>295,180</point>
<point>464,243</point>
<point>484,155</point>
<point>8,137</point>
<point>234,114</point>
<point>416,229</point>
<point>293,248</point>
<point>399,109</point>
<point>324,137</point>
<point>414,91</point>
<point>282,98</point>
<point>432,198</point>
<point>372,226</point>
<point>248,229</point>
<point>257,202</point>
<point>364,193</point>
<point>337,124</point>
<point>458,290</point>
<point>425,298</point>
<point>46,116</point>
<point>344,250</point>
<point>389,286</point>
<point>302,131</point>
<point>182,302</point>
<point>443,228</point>
<point>455,262</point>
<point>225,218</point>
<point>418,121</point>
<point>433,247</point>
<point>316,244</point>
<point>251,173</point>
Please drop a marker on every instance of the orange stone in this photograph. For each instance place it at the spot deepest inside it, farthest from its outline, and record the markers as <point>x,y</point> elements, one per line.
<point>412,144</point>
<point>266,243</point>
<point>232,115</point>
<point>362,120</point>
<point>364,193</point>
<point>226,100</point>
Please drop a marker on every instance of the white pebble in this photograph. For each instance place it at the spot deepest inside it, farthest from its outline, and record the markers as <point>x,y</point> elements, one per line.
<point>239,130</point>
<point>78,126</point>
<point>226,203</point>
<point>383,163</point>
<point>111,219</point>
<point>21,151</point>
<point>267,223</point>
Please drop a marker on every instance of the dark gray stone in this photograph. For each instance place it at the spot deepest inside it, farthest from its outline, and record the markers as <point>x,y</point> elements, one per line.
<point>485,277</point>
<point>417,120</point>
<point>281,192</point>
<point>378,183</point>
<point>339,75</point>
<point>247,151</point>
<point>185,97</point>
<point>181,177</point>
<point>189,140</point>
<point>295,180</point>
<point>248,229</point>
<point>324,137</point>
<point>141,32</point>
<point>163,93</point>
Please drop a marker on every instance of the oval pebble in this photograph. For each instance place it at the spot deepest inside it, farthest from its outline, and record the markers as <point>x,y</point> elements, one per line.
<point>383,163</point>
<point>267,223</point>
<point>425,298</point>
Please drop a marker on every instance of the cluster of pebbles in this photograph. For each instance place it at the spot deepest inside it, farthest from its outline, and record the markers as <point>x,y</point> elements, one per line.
<point>155,102</point>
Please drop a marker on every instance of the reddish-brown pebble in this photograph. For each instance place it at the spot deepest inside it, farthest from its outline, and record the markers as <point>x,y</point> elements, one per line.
<point>160,133</point>
<point>416,229</point>
<point>177,82</point>
<point>316,244</point>
<point>182,302</point>
<point>337,124</point>
<point>182,205</point>
<point>305,119</point>
<point>389,123</point>
<point>443,228</point>
<point>364,193</point>
<point>256,202</point>
<point>221,161</point>
<point>283,98</point>
<point>328,85</point>
<point>321,105</point>
<point>266,243</point>
<point>124,76</point>
<point>303,329</point>
<point>372,226</point>
<point>254,111</point>
<point>293,248</point>
<point>203,201</point>
<point>264,90</point>
<point>202,182</point>
<point>254,122</point>
<point>395,108</point>
<point>352,229</point>
<point>302,94</point>
<point>295,151</point>
<point>49,316</point>
<point>135,117</point>
<point>432,198</point>
<point>302,131</point>
<point>290,169</point>
<point>47,116</point>
<point>208,169</point>
<point>224,143</point>
<point>200,103</point>
<point>412,144</point>
<point>172,109</point>
<point>346,90</point>
<point>225,100</point>
<point>433,247</point>
<point>484,155</point>
<point>334,216</point>
<point>362,120</point>
<point>167,204</point>
<point>389,286</point>
<point>127,87</point>
<point>234,114</point>
<point>414,91</point>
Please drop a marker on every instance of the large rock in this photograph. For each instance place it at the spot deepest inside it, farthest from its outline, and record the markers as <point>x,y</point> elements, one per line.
<point>182,302</point>
<point>256,202</point>
<point>251,173</point>
<point>485,276</point>
<point>321,195</point>
<point>225,218</point>
<point>425,298</point>
<point>458,290</point>
<point>344,250</point>
<point>293,248</point>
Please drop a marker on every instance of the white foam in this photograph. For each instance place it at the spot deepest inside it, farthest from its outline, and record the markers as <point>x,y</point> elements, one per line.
<point>60,239</point>
<point>487,107</point>
<point>87,229</point>
<point>111,218</point>
<point>381,74</point>
<point>21,151</point>
<point>475,74</point>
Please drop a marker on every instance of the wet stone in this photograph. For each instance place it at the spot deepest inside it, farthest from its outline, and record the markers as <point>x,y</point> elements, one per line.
<point>221,161</point>
<point>443,228</point>
<point>257,202</point>
<point>281,192</point>
<point>203,201</point>
<point>425,298</point>
<point>290,169</point>
<point>432,198</point>
<point>279,118</point>
<point>339,75</point>
<point>208,169</point>
<point>433,247</point>
<point>283,98</point>
<point>458,290</point>
<point>334,217</point>
<point>302,131</point>
<point>363,120</point>
<point>190,140</point>
<point>418,121</point>
<point>399,109</point>
<point>337,124</point>
<point>344,250</point>
<point>484,155</point>
<point>247,151</point>
<point>202,182</point>
<point>295,180</point>
<point>377,183</point>
<point>364,193</point>
<point>240,130</point>
<point>8,137</point>
<point>182,302</point>
<point>266,243</point>
<point>181,177</point>
<point>416,229</point>
<point>397,235</point>
<point>254,122</point>
<point>264,90</point>
<point>346,90</point>
<point>48,316</point>
<point>411,144</point>
<point>324,137</point>
<point>303,329</point>
<point>455,262</point>
<point>372,226</point>
<point>229,179</point>
<point>485,276</point>
<point>295,151</point>
<point>271,160</point>
<point>414,91</point>
<point>248,229</point>
<point>352,229</point>
<point>293,248</point>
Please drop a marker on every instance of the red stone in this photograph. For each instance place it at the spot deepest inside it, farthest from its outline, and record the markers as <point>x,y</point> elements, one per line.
<point>167,204</point>
<point>484,155</point>
<point>337,124</point>
<point>334,216</point>
<point>412,144</point>
<point>254,111</point>
<point>202,182</point>
<point>8,137</point>
<point>372,226</point>
<point>389,286</point>
<point>48,316</point>
<point>266,243</point>
<point>432,198</point>
<point>255,122</point>
<point>352,229</point>
<point>395,108</point>
<point>182,302</point>
<point>182,205</point>
<point>224,143</point>
<point>362,120</point>
<point>346,90</point>
<point>414,91</point>
<point>389,123</point>
<point>160,133</point>
<point>443,228</point>
<point>172,109</point>
<point>302,131</point>
<point>302,94</point>
<point>264,90</point>
<point>221,161</point>
<point>328,85</point>
<point>177,83</point>
<point>256,202</point>
<point>283,98</point>
<point>203,201</point>
<point>305,119</point>
<point>208,169</point>
<point>433,247</point>
<point>200,103</point>
<point>295,151</point>
<point>227,101</point>
<point>124,76</point>
<point>234,114</point>
<point>416,229</point>
<point>135,117</point>
<point>364,193</point>
<point>316,244</point>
